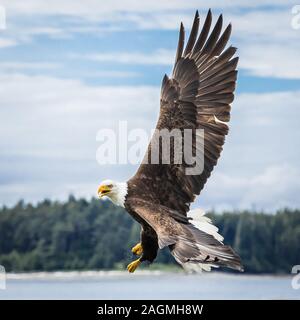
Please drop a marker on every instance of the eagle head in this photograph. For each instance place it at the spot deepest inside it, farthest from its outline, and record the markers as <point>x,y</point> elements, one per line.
<point>115,191</point>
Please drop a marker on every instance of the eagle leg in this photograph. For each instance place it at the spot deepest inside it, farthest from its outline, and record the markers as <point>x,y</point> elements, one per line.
<point>133,265</point>
<point>137,249</point>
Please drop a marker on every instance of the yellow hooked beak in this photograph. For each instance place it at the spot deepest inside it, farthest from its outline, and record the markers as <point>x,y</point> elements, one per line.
<point>103,191</point>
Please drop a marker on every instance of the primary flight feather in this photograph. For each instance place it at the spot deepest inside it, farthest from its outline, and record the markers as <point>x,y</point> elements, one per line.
<point>197,96</point>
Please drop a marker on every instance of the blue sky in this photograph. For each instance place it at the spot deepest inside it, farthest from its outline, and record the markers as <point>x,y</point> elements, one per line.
<point>70,68</point>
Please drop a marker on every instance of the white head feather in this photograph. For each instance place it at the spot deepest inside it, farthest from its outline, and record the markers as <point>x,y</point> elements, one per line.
<point>117,193</point>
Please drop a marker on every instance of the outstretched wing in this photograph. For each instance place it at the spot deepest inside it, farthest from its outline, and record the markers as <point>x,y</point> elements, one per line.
<point>197,96</point>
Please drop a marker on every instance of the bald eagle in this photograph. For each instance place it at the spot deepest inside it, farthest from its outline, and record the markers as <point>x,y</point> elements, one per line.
<point>197,96</point>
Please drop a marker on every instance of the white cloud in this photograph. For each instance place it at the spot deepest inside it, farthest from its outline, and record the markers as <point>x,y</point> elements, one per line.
<point>4,43</point>
<point>13,66</point>
<point>267,43</point>
<point>275,60</point>
<point>110,74</point>
<point>113,15</point>
<point>261,60</point>
<point>263,52</point>
<point>94,8</point>
<point>52,32</point>
<point>48,133</point>
<point>259,164</point>
<point>273,188</point>
<point>49,113</point>
<point>160,57</point>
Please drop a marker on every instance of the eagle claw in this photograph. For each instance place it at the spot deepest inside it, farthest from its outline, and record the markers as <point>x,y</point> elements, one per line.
<point>133,265</point>
<point>137,249</point>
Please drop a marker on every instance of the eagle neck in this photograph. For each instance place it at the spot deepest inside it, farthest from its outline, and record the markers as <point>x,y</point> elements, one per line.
<point>120,196</point>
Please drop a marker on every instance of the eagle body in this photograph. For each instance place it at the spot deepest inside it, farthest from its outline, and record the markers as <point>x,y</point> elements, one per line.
<point>165,227</point>
<point>196,97</point>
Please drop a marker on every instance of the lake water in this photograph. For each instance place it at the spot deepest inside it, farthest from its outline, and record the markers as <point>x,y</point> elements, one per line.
<point>146,285</point>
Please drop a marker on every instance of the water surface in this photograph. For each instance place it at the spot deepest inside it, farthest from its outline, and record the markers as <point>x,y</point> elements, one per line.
<point>146,285</point>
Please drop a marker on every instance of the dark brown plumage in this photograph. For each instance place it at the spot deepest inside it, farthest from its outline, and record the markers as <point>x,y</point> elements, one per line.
<point>197,96</point>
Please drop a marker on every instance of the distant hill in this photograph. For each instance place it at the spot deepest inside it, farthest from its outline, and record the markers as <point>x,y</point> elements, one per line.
<point>84,235</point>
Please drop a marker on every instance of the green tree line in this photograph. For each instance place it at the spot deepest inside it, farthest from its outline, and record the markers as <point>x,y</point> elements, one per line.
<point>84,235</point>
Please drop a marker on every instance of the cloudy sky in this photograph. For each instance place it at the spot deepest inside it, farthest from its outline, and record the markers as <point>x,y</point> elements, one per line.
<point>69,68</point>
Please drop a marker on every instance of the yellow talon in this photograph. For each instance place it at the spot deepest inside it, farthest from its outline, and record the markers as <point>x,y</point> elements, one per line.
<point>133,265</point>
<point>137,249</point>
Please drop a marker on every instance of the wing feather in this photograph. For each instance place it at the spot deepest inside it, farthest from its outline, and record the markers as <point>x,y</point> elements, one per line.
<point>180,43</point>
<point>197,96</point>
<point>193,35</point>
<point>204,33</point>
<point>214,36</point>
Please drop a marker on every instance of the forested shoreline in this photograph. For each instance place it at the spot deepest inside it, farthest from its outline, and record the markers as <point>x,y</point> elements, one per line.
<point>91,235</point>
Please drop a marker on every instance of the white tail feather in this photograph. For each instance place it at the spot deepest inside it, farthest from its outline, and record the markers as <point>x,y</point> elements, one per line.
<point>203,223</point>
<point>197,267</point>
<point>196,251</point>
